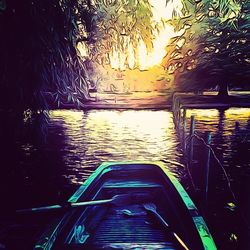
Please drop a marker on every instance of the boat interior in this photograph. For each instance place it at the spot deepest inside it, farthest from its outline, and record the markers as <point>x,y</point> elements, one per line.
<point>129,225</point>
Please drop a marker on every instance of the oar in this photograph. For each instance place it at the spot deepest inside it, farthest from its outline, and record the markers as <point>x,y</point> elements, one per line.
<point>117,200</point>
<point>152,208</point>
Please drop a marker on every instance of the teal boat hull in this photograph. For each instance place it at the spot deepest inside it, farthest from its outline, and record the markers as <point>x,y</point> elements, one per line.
<point>129,225</point>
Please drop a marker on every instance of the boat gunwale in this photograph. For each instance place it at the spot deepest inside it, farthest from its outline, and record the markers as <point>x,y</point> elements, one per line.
<point>202,229</point>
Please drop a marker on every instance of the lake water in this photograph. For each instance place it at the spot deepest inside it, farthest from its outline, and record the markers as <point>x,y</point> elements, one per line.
<point>96,136</point>
<point>44,172</point>
<point>230,130</point>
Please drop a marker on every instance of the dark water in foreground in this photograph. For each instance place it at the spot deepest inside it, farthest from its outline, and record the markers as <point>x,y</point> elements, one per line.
<point>230,130</point>
<point>36,172</point>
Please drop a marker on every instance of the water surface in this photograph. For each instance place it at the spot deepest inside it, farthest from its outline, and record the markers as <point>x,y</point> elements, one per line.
<point>96,136</point>
<point>36,172</point>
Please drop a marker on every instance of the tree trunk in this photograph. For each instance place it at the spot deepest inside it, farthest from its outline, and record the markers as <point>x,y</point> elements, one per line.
<point>223,91</point>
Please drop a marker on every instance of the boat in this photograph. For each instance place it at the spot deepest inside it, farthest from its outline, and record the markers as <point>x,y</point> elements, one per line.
<point>129,205</point>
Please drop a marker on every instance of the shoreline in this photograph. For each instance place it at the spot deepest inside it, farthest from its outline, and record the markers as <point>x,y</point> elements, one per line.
<point>160,101</point>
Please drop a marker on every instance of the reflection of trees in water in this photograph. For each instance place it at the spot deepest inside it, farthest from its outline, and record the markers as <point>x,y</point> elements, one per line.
<point>232,148</point>
<point>31,174</point>
<point>240,162</point>
<point>28,165</point>
<point>219,145</point>
<point>241,145</point>
<point>232,144</point>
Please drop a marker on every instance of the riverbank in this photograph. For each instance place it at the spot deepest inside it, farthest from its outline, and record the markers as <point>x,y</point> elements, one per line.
<point>133,100</point>
<point>212,100</point>
<point>160,100</point>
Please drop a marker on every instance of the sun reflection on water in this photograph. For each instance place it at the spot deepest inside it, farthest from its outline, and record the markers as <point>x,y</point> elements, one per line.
<point>237,113</point>
<point>110,135</point>
<point>96,136</point>
<point>203,114</point>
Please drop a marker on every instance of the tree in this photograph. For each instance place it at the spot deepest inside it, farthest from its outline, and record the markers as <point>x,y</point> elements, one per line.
<point>39,56</point>
<point>221,55</point>
<point>117,25</point>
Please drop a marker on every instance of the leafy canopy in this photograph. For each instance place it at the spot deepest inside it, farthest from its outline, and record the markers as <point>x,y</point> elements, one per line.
<point>214,49</point>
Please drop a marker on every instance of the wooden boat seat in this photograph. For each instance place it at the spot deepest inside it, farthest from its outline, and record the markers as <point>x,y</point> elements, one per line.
<point>133,184</point>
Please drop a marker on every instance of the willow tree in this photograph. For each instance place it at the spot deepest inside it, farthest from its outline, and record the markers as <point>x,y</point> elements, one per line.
<point>215,49</point>
<point>118,24</point>
<point>39,59</point>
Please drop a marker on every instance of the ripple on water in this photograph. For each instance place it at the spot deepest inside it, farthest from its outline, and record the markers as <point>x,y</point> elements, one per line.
<point>99,135</point>
<point>230,130</point>
<point>92,137</point>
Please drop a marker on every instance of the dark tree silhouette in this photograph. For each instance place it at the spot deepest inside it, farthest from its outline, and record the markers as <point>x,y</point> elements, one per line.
<point>216,55</point>
<point>38,54</point>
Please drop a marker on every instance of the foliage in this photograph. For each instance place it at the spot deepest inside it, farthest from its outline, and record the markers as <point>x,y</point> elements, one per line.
<point>117,23</point>
<point>39,56</point>
<point>218,52</point>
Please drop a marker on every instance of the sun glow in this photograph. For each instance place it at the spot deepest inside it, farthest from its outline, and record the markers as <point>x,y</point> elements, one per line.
<point>83,50</point>
<point>140,56</point>
<point>131,56</point>
<point>149,59</point>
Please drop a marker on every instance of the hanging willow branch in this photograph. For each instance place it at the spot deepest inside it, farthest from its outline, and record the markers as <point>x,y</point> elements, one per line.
<point>38,54</point>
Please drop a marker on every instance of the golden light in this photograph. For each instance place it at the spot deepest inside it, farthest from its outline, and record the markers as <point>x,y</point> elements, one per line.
<point>203,114</point>
<point>164,11</point>
<point>230,114</point>
<point>114,58</point>
<point>131,56</point>
<point>142,55</point>
<point>69,118</point>
<point>237,113</point>
<point>148,59</point>
<point>109,135</point>
<point>163,33</point>
<point>83,49</point>
<point>130,126</point>
<point>205,119</point>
